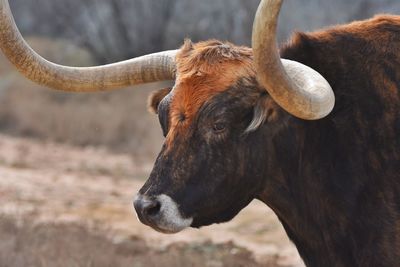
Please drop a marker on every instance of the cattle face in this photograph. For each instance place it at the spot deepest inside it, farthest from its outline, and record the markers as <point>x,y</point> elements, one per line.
<point>208,168</point>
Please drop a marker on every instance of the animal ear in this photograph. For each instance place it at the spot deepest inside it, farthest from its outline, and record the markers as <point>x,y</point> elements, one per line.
<point>265,110</point>
<point>155,99</point>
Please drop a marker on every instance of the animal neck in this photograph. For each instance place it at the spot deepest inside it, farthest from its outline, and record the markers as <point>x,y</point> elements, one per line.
<point>328,208</point>
<point>301,201</point>
<point>319,229</point>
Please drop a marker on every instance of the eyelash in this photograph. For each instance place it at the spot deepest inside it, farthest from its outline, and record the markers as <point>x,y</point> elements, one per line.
<point>219,127</point>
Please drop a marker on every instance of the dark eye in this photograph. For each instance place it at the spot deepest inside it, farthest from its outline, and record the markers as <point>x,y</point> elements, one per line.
<point>219,127</point>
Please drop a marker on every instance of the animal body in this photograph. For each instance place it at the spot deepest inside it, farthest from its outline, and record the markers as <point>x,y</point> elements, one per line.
<point>243,124</point>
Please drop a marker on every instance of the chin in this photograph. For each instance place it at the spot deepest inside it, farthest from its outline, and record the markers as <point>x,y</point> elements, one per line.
<point>201,222</point>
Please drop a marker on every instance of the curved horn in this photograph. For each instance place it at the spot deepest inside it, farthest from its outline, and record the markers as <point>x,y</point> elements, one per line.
<point>145,69</point>
<point>297,88</point>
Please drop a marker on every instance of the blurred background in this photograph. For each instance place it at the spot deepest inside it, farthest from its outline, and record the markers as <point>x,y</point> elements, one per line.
<point>92,32</point>
<point>54,147</point>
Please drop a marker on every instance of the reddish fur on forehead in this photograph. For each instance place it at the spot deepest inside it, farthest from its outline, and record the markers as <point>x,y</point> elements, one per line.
<point>205,69</point>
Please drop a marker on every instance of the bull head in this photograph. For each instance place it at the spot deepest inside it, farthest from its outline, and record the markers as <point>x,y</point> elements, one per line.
<point>208,169</point>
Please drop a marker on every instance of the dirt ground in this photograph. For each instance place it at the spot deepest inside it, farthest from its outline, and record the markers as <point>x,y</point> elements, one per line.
<point>68,206</point>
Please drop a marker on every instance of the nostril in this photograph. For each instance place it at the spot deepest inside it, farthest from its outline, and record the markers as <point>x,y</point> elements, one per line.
<point>154,209</point>
<point>147,207</point>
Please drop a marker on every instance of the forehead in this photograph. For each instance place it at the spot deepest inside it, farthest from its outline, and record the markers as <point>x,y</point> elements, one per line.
<point>205,69</point>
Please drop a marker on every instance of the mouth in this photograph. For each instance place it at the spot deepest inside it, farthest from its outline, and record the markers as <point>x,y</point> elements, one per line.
<point>160,213</point>
<point>159,224</point>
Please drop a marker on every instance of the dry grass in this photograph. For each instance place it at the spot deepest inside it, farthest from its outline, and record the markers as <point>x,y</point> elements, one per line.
<point>72,245</point>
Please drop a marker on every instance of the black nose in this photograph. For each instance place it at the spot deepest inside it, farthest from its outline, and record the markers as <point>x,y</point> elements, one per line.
<point>146,208</point>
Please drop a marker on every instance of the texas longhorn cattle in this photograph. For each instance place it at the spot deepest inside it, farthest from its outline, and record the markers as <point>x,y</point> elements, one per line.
<point>243,124</point>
